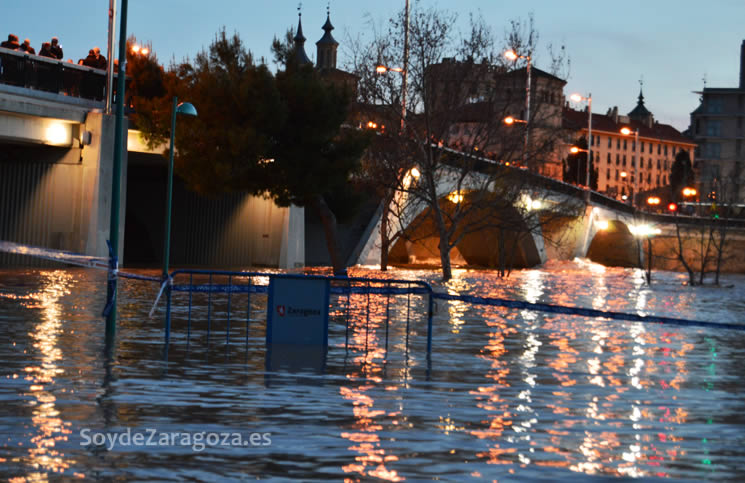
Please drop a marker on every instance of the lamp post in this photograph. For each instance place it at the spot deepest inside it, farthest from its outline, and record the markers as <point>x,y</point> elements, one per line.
<point>577,150</point>
<point>624,176</point>
<point>110,56</point>
<point>382,69</point>
<point>116,182</point>
<point>578,98</point>
<point>626,131</point>
<point>512,55</point>
<point>190,110</point>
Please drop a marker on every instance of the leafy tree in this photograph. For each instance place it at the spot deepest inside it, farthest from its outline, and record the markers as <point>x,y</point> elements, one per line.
<point>315,157</point>
<point>277,136</point>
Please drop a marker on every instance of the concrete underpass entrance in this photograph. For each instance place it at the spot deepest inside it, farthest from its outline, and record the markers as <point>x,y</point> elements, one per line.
<point>227,230</point>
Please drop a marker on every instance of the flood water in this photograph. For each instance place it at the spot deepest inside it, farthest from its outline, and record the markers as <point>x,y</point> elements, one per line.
<point>507,394</point>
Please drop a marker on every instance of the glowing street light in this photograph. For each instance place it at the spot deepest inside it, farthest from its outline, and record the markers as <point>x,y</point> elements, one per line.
<point>513,56</point>
<point>688,192</point>
<point>588,98</point>
<point>626,132</point>
<point>382,69</point>
<point>509,120</point>
<point>140,50</point>
<point>653,200</point>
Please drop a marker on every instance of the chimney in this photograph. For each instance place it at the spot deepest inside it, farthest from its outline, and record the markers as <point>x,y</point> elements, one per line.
<point>742,65</point>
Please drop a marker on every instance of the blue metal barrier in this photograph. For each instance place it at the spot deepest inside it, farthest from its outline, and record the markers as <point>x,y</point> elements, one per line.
<point>233,283</point>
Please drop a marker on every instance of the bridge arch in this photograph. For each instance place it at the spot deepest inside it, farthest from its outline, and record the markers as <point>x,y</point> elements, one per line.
<point>505,235</point>
<point>614,246</point>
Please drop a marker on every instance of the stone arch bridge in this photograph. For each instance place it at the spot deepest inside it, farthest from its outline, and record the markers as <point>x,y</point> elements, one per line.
<point>559,221</point>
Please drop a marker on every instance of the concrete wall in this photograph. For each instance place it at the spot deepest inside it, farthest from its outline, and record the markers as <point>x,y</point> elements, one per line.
<point>57,197</point>
<point>222,231</point>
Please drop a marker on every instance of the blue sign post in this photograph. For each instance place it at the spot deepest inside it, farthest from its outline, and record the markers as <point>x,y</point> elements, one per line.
<point>298,311</point>
<point>297,329</point>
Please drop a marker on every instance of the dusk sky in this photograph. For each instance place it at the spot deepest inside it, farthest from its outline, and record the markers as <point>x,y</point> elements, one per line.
<point>670,44</point>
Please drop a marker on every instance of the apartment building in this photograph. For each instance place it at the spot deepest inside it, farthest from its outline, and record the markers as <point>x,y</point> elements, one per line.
<point>717,127</point>
<point>614,153</point>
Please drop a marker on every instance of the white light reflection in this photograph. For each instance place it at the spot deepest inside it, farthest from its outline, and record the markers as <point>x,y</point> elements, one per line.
<point>533,288</point>
<point>50,427</point>
<point>457,308</point>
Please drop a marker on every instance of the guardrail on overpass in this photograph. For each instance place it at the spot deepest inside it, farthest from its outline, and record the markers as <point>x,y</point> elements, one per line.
<point>51,75</point>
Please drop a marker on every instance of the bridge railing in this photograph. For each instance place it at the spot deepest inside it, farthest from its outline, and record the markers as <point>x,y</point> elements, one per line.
<point>51,75</point>
<point>540,181</point>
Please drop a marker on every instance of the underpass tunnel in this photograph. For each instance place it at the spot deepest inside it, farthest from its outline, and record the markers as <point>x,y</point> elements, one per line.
<point>614,246</point>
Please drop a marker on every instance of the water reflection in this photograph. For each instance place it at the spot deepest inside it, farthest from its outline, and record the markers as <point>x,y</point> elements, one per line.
<point>367,374</point>
<point>511,392</point>
<point>50,428</point>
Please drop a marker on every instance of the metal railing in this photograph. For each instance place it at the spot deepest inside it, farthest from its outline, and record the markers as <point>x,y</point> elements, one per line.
<point>31,71</point>
<point>226,298</point>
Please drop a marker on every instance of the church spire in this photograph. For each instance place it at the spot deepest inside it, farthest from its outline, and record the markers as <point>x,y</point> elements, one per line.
<point>326,47</point>
<point>302,57</point>
<point>640,112</point>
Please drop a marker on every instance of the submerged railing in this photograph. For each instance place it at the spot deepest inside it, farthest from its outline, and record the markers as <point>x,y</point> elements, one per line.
<point>231,294</point>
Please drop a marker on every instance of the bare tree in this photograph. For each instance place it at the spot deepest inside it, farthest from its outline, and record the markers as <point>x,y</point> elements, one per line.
<point>446,162</point>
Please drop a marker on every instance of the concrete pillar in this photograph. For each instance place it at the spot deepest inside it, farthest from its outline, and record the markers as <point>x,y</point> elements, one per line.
<point>96,188</point>
<point>292,253</point>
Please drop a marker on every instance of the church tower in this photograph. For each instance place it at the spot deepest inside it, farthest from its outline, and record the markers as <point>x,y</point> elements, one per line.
<point>301,56</point>
<point>326,47</point>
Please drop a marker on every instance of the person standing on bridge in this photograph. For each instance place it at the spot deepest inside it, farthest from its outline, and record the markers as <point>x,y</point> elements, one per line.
<point>46,50</point>
<point>100,59</point>
<point>26,47</point>
<point>11,43</point>
<point>89,61</point>
<point>56,48</point>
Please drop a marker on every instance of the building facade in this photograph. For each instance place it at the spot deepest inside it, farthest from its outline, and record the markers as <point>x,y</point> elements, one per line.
<point>717,127</point>
<point>614,154</point>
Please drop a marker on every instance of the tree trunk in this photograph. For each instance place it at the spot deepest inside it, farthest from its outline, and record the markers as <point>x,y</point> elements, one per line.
<point>705,257</point>
<point>691,275</point>
<point>447,270</point>
<point>502,263</point>
<point>720,251</point>
<point>444,245</point>
<point>328,220</point>
<point>649,260</point>
<point>384,241</point>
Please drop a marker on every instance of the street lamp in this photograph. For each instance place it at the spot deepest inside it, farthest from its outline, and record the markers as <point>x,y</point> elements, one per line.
<point>138,50</point>
<point>626,132</point>
<point>509,120</point>
<point>189,110</point>
<point>382,69</point>
<point>512,55</point>
<point>577,150</point>
<point>624,175</point>
<point>579,98</point>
